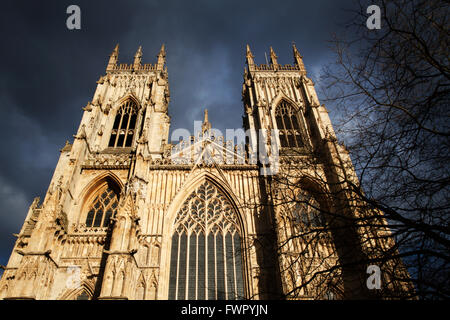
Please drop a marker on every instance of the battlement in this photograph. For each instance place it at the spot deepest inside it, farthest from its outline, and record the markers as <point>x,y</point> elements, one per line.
<point>298,65</point>
<point>272,67</point>
<point>113,64</point>
<point>131,67</point>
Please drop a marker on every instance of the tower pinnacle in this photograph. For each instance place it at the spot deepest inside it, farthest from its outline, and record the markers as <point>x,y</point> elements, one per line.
<point>206,124</point>
<point>298,59</point>
<point>161,57</point>
<point>138,58</point>
<point>249,56</point>
<point>273,57</point>
<point>113,58</point>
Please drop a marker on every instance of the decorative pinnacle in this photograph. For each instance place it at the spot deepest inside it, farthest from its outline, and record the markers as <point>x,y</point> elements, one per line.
<point>273,57</point>
<point>138,57</point>
<point>249,56</point>
<point>296,53</point>
<point>161,57</point>
<point>113,58</point>
<point>298,58</point>
<point>249,52</point>
<point>162,51</point>
<point>206,124</point>
<point>115,51</point>
<point>139,52</point>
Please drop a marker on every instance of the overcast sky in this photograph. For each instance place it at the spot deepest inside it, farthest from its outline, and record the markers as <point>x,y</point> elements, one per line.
<point>48,73</point>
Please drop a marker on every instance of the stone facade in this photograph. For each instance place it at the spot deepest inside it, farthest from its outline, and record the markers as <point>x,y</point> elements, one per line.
<point>121,161</point>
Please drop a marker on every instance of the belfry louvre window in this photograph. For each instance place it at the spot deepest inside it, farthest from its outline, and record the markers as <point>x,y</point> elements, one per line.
<point>206,258</point>
<point>124,127</point>
<point>288,123</point>
<point>103,208</point>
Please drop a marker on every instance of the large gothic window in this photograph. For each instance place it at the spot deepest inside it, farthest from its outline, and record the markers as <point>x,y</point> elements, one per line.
<point>102,208</point>
<point>288,123</point>
<point>124,127</point>
<point>206,259</point>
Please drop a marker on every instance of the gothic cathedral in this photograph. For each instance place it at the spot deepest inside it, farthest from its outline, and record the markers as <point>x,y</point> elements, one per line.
<point>129,215</point>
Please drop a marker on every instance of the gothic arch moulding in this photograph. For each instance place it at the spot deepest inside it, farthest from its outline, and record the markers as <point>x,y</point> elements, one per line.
<point>130,111</point>
<point>281,96</point>
<point>191,184</point>
<point>90,191</point>
<point>72,294</point>
<point>127,96</point>
<point>299,127</point>
<point>318,188</point>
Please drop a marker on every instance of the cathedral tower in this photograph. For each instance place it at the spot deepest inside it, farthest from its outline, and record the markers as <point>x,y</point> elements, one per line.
<point>307,181</point>
<point>68,234</point>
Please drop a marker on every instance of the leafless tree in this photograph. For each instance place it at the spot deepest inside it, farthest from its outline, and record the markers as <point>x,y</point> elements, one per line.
<point>390,89</point>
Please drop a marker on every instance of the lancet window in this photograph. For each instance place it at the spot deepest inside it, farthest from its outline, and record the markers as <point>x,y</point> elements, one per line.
<point>124,127</point>
<point>288,123</point>
<point>102,208</point>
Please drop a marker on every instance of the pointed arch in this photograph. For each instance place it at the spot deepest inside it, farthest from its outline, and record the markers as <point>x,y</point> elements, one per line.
<point>145,258</point>
<point>287,117</point>
<point>140,290</point>
<point>141,279</point>
<point>311,203</point>
<point>316,186</point>
<point>124,127</point>
<point>84,292</point>
<point>127,96</point>
<point>288,122</point>
<point>99,179</point>
<point>100,199</point>
<point>192,183</point>
<point>206,260</point>
<point>280,97</point>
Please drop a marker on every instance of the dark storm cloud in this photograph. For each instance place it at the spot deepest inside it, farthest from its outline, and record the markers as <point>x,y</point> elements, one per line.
<point>49,72</point>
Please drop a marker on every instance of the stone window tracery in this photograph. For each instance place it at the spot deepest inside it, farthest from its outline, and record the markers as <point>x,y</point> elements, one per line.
<point>124,127</point>
<point>206,258</point>
<point>306,211</point>
<point>102,208</point>
<point>288,124</point>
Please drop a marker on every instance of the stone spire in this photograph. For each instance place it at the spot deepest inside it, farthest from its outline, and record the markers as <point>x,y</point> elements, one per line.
<point>161,57</point>
<point>206,124</point>
<point>298,59</point>
<point>249,56</point>
<point>273,57</point>
<point>113,58</point>
<point>137,58</point>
